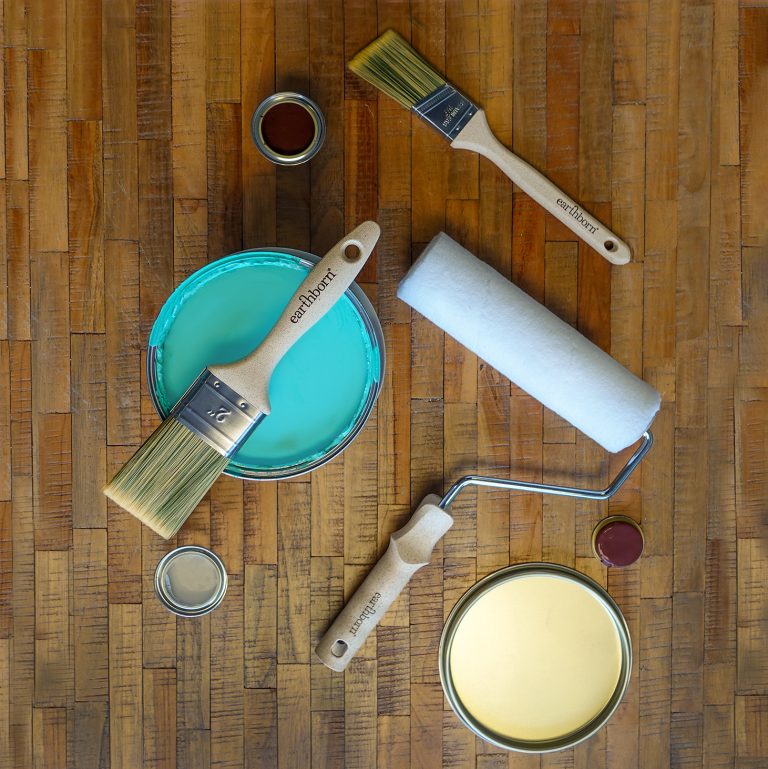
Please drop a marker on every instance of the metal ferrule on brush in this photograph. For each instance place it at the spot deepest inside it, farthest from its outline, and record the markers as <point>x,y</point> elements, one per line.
<point>446,109</point>
<point>216,413</point>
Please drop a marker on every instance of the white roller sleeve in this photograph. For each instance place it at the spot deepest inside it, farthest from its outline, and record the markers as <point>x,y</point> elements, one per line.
<point>527,343</point>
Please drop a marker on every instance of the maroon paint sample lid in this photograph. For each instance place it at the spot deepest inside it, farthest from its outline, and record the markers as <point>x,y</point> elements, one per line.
<point>617,541</point>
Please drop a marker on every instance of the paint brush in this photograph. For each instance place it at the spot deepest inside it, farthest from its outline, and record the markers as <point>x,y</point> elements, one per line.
<point>166,478</point>
<point>393,66</point>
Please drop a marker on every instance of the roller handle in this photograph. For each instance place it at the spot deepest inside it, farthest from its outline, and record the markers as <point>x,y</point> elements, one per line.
<point>324,285</point>
<point>409,549</point>
<point>477,136</point>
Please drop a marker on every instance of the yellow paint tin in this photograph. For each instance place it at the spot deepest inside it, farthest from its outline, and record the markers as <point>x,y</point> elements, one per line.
<point>535,657</point>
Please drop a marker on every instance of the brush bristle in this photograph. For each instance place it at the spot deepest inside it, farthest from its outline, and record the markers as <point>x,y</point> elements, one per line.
<point>390,64</point>
<point>164,480</point>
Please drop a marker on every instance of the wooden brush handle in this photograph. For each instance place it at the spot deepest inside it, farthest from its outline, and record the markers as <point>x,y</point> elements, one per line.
<point>324,285</point>
<point>477,136</point>
<point>409,549</point>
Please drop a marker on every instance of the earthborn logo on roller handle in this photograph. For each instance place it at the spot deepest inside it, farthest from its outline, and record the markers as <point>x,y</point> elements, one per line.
<point>368,611</point>
<point>314,293</point>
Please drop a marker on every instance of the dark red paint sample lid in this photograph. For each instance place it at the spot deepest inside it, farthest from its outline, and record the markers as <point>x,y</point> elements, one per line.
<point>617,541</point>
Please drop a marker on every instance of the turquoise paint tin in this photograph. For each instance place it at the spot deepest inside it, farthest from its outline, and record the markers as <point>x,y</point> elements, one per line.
<point>321,392</point>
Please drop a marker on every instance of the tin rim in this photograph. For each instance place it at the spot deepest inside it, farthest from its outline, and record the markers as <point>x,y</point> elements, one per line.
<point>169,603</point>
<point>291,97</point>
<point>372,325</point>
<point>533,746</point>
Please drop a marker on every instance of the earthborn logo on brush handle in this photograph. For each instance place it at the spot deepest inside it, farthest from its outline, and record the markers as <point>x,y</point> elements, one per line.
<point>314,293</point>
<point>368,611</point>
<point>577,214</point>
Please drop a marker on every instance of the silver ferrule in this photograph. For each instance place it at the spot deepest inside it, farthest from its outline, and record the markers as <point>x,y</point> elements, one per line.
<point>446,109</point>
<point>219,415</point>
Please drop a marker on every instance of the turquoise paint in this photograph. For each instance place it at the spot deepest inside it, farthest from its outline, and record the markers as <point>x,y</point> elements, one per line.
<point>320,388</point>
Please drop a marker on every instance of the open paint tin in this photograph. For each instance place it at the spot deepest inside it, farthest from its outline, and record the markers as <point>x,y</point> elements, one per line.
<point>288,128</point>
<point>617,541</point>
<point>535,657</point>
<point>321,392</point>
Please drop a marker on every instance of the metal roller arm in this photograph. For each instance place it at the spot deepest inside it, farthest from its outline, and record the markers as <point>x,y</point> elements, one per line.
<point>546,488</point>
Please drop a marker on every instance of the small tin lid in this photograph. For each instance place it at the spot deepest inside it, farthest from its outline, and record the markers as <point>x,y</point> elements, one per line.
<point>190,581</point>
<point>288,155</point>
<point>617,541</point>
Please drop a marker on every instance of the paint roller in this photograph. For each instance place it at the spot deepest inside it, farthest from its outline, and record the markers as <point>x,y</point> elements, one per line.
<point>542,355</point>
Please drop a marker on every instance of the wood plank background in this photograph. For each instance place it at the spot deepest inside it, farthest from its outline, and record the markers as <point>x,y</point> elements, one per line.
<point>127,163</point>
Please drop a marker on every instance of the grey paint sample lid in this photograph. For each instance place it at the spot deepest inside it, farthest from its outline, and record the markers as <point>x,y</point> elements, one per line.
<point>190,581</point>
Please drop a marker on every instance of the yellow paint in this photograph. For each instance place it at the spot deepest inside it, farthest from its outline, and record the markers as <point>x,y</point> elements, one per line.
<point>536,657</point>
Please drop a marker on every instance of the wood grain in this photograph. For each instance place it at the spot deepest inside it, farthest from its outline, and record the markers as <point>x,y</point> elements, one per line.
<point>53,651</point>
<point>326,66</point>
<point>50,726</point>
<point>257,75</point>
<point>125,686</point>
<point>18,262</point>
<point>16,108</point>
<point>193,682</point>
<point>260,729</point>
<point>360,718</point>
<point>227,704</point>
<point>84,95</point>
<point>260,626</point>
<point>293,716</point>
<point>90,626</point>
<point>121,216</point>
<point>50,328</point>
<point>123,541</point>
<point>85,187</point>
<point>752,145</point>
<point>90,748</point>
<point>47,132</point>
<point>158,626</point>
<point>188,98</point>
<point>6,572</point>
<point>126,163</point>
<point>53,489</point>
<point>327,596</point>
<point>159,690</point>
<point>293,588</point>
<point>89,431</point>
<point>156,237</point>
<point>122,344</point>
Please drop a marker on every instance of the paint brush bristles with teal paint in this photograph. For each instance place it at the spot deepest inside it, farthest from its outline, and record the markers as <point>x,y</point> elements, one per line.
<point>393,66</point>
<point>166,478</point>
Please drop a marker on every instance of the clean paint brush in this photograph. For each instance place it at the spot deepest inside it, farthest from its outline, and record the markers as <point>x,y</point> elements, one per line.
<point>166,478</point>
<point>393,66</point>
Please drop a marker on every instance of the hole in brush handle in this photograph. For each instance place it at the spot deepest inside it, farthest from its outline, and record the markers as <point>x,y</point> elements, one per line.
<point>352,251</point>
<point>339,648</point>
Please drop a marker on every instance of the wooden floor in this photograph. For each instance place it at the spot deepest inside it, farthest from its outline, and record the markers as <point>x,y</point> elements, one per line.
<point>128,164</point>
